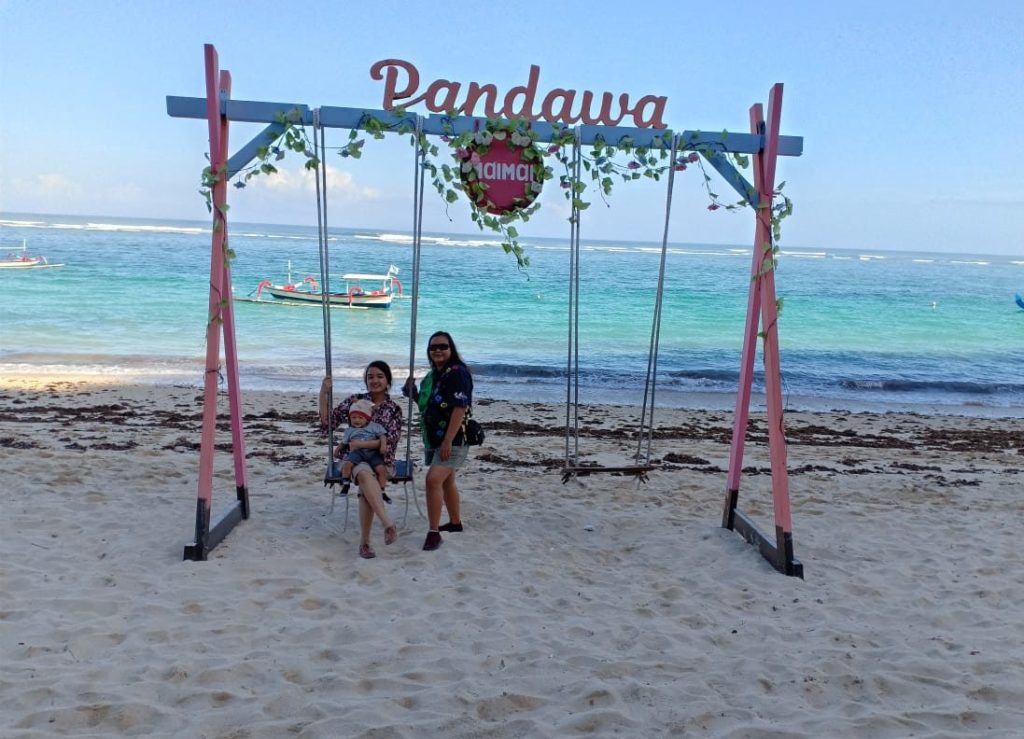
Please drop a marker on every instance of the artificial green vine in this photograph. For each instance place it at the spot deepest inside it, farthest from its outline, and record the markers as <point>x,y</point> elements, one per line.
<point>601,162</point>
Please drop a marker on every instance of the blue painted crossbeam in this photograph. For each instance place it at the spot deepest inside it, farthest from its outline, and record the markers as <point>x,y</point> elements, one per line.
<point>331,117</point>
<point>251,111</point>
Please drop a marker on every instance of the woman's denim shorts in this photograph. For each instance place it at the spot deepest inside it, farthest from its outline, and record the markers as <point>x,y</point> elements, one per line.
<point>456,460</point>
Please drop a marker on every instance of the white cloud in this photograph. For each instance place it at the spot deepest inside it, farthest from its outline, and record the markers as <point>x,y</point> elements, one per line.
<point>339,184</point>
<point>45,185</point>
<point>124,192</point>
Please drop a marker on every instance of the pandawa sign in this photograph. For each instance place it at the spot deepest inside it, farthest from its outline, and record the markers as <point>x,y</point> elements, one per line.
<point>402,83</point>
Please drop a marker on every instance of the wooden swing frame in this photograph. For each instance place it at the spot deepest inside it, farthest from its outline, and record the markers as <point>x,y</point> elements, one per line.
<point>764,143</point>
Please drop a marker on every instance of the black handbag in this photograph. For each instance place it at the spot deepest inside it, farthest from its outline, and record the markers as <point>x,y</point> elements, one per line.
<point>474,433</point>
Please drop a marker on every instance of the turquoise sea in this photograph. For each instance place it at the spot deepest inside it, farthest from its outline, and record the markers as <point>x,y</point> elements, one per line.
<point>859,330</point>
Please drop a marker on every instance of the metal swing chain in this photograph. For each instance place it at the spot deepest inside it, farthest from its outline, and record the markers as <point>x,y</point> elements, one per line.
<point>419,173</point>
<point>647,428</point>
<point>320,175</point>
<point>572,399</point>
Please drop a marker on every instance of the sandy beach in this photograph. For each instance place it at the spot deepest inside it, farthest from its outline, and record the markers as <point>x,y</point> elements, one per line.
<point>601,607</point>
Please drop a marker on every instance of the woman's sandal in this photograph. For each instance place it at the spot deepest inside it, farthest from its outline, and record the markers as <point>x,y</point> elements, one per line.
<point>366,551</point>
<point>390,535</point>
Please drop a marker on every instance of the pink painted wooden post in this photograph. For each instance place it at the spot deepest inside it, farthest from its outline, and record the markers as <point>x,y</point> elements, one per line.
<point>770,315</point>
<point>230,353</point>
<point>762,309</point>
<point>746,380</point>
<point>220,317</point>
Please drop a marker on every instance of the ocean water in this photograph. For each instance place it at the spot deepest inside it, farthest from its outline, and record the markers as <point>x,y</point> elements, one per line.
<point>858,331</point>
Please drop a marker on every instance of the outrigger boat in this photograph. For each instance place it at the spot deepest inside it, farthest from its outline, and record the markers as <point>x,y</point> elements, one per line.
<point>355,295</point>
<point>14,260</point>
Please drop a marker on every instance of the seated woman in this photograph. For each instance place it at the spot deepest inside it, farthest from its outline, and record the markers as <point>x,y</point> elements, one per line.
<point>388,414</point>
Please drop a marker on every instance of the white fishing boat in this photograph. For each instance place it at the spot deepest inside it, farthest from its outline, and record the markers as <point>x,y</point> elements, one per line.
<point>23,260</point>
<point>361,291</point>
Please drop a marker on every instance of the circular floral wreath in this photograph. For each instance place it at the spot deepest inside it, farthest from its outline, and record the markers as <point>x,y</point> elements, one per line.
<point>468,152</point>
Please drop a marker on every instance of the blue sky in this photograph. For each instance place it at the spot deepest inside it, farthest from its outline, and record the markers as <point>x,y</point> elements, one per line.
<point>911,113</point>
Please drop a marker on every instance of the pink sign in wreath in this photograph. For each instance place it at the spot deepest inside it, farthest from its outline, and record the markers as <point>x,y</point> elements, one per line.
<point>500,179</point>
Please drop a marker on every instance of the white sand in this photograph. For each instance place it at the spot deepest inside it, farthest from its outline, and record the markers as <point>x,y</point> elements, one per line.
<point>596,608</point>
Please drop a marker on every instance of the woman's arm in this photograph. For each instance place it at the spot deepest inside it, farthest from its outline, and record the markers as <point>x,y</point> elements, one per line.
<point>378,440</point>
<point>340,413</point>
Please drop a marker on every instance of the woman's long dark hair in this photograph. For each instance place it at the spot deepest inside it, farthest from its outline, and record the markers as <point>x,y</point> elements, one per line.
<point>453,358</point>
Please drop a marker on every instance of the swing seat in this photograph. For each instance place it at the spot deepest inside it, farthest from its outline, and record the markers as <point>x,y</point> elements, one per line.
<point>404,474</point>
<point>638,470</point>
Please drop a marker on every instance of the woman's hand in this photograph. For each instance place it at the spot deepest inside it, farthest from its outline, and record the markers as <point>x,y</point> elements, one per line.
<point>445,450</point>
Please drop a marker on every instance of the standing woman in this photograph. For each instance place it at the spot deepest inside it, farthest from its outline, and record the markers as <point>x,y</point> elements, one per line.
<point>388,414</point>
<point>444,401</point>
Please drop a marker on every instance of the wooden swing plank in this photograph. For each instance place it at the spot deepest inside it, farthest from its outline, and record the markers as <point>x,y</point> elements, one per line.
<point>640,470</point>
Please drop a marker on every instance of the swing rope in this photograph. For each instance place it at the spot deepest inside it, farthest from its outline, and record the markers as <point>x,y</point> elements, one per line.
<point>645,433</point>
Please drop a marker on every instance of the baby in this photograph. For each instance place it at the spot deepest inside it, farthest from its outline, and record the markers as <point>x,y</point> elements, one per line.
<point>364,441</point>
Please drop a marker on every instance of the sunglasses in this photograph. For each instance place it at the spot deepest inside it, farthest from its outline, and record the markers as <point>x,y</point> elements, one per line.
<point>439,347</point>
